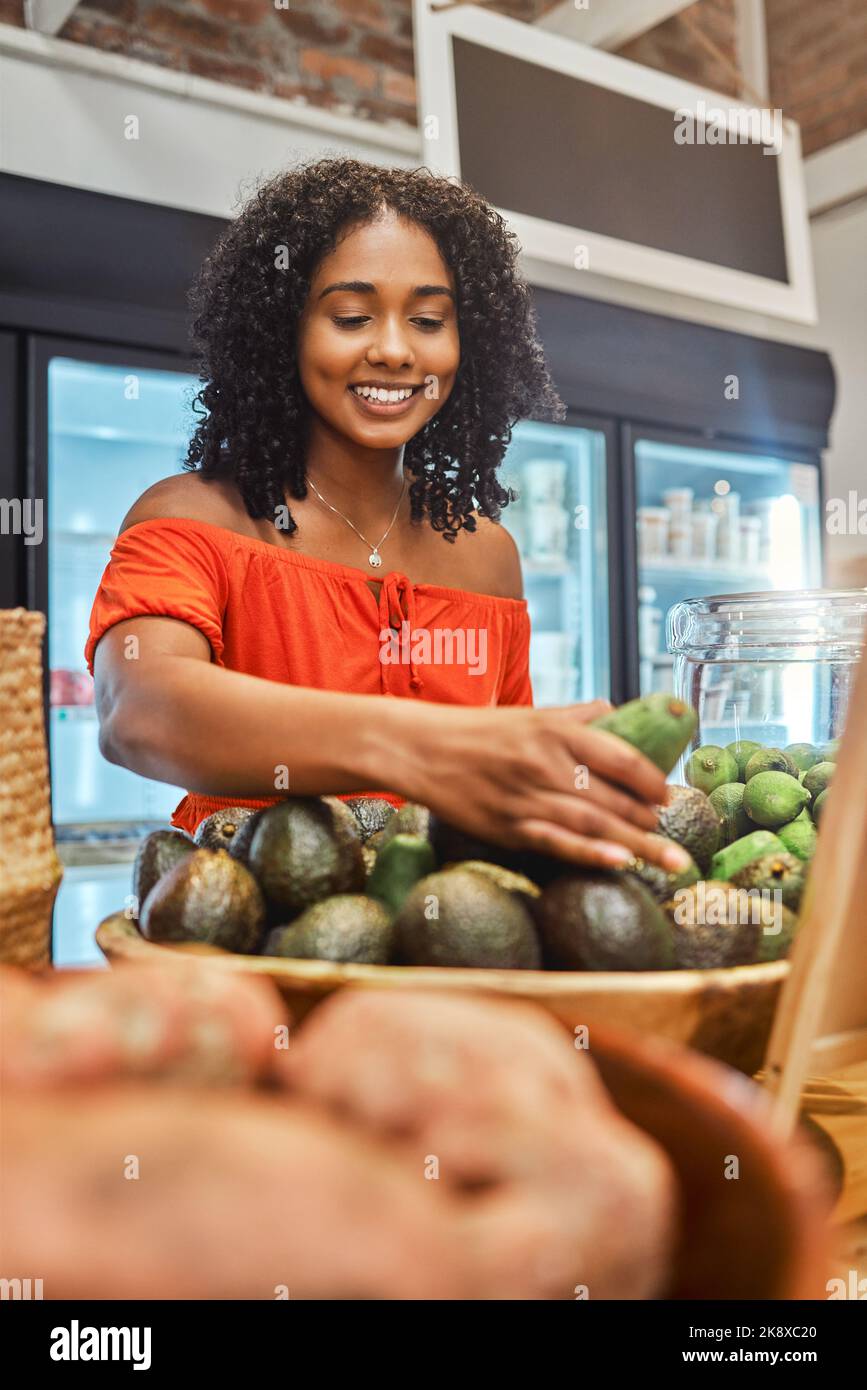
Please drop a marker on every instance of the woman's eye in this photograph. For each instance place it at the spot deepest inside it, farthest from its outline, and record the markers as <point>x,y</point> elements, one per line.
<point>353,321</point>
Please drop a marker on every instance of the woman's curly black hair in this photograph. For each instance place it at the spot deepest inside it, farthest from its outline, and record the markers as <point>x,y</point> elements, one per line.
<point>248,297</point>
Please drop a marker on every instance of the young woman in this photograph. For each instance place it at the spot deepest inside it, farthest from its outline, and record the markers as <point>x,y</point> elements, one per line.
<point>366,345</point>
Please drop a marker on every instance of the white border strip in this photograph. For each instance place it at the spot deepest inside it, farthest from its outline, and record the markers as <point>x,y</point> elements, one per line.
<point>47,16</point>
<point>60,53</point>
<point>751,32</point>
<point>617,22</point>
<point>837,174</point>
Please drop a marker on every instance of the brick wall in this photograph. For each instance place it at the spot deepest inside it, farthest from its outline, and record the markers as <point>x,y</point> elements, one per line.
<point>356,56</point>
<point>672,46</point>
<point>349,56</point>
<point>818,66</point>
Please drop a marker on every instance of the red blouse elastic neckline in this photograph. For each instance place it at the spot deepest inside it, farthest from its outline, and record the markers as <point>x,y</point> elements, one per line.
<point>313,562</point>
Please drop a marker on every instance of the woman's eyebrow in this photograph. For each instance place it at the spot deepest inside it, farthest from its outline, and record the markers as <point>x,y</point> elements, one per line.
<point>365,287</point>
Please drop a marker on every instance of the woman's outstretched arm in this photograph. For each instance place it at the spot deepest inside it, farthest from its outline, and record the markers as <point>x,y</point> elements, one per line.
<point>505,774</point>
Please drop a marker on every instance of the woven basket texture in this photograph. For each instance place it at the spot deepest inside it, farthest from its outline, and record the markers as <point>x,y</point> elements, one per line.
<point>30,871</point>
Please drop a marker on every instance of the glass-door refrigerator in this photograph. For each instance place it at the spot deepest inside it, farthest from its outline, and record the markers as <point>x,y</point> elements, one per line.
<point>714,519</point>
<point>563,476</point>
<point>107,424</point>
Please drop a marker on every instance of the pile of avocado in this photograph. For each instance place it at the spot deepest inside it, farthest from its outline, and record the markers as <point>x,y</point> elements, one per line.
<point>357,881</point>
<point>769,800</point>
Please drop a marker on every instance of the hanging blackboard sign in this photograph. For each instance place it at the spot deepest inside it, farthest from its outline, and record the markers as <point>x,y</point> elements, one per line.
<point>601,164</point>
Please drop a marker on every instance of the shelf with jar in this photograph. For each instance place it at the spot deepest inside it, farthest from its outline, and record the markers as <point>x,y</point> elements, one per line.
<point>673,567</point>
<point>708,535</point>
<point>539,521</point>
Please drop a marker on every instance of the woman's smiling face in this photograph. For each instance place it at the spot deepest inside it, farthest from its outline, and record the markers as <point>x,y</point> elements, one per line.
<point>381,312</point>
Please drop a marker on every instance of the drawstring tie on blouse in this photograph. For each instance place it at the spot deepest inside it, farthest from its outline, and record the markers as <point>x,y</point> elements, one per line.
<point>396,607</point>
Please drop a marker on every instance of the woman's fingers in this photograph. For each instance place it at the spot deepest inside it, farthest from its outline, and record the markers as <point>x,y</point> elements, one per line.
<point>666,853</point>
<point>619,803</point>
<point>619,762</point>
<point>552,839</point>
<point>616,839</point>
<point>595,791</point>
<point>594,709</point>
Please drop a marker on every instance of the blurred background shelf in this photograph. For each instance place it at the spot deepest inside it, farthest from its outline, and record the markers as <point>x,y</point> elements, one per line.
<point>710,519</point>
<point>672,567</point>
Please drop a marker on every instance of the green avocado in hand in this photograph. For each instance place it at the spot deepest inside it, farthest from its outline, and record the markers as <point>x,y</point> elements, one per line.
<point>659,726</point>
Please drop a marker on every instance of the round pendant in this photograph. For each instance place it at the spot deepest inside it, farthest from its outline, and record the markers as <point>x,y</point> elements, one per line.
<point>375,559</point>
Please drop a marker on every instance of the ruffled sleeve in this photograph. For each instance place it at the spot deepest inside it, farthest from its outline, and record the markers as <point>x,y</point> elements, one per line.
<point>516,688</point>
<point>167,568</point>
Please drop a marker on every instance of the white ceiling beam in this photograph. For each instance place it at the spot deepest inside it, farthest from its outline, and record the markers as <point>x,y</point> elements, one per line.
<point>608,25</point>
<point>837,175</point>
<point>47,16</point>
<point>752,43</point>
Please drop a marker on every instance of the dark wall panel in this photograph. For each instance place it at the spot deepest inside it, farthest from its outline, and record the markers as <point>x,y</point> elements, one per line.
<point>614,360</point>
<point>74,261</point>
<point>548,145</point>
<point>11,473</point>
<point>606,359</point>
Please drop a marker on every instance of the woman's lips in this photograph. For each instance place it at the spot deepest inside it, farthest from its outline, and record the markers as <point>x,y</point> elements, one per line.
<point>382,408</point>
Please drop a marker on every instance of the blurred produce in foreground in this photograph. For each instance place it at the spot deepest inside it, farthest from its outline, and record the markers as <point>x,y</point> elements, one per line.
<point>138,1163</point>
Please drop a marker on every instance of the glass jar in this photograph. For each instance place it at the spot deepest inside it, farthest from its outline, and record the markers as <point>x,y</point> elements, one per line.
<point>652,525</point>
<point>775,667</point>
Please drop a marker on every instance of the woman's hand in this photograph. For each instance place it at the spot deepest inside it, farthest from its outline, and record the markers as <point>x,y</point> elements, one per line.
<point>540,779</point>
<point>532,778</point>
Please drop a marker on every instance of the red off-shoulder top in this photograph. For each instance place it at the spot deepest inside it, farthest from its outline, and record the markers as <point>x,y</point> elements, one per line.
<point>284,616</point>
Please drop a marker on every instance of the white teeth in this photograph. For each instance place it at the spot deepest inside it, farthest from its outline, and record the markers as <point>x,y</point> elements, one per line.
<point>379,393</point>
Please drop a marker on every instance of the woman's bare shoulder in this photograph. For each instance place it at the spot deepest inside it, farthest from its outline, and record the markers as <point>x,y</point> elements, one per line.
<point>191,496</point>
<point>488,560</point>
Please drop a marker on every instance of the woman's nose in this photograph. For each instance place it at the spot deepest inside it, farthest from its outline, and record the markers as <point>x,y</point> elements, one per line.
<point>391,346</point>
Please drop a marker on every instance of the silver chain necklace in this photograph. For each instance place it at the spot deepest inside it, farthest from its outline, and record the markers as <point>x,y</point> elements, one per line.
<point>374,558</point>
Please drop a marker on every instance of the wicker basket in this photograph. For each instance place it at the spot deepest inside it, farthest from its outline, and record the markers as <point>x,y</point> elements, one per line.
<point>30,871</point>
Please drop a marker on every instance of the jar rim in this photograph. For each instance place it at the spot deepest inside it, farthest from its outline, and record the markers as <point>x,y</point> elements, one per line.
<point>831,617</point>
<point>775,595</point>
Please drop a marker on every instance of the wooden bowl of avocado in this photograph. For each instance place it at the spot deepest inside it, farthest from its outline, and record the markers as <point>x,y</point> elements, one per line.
<point>724,1013</point>
<point>318,894</point>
